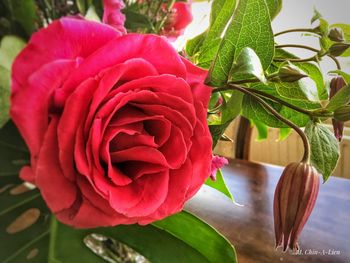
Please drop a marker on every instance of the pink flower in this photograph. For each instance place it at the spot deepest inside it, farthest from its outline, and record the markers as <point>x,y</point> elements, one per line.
<point>112,14</point>
<point>178,20</point>
<point>117,133</point>
<point>217,162</point>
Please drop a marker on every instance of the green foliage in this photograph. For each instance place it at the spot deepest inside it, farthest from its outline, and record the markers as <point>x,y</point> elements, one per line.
<point>203,47</point>
<point>262,129</point>
<point>220,185</point>
<point>251,109</point>
<point>15,246</point>
<point>178,238</point>
<point>324,148</point>
<point>284,133</point>
<point>10,46</point>
<point>275,7</point>
<point>193,231</point>
<point>247,66</point>
<point>315,74</point>
<point>21,16</point>
<point>249,27</point>
<point>341,98</point>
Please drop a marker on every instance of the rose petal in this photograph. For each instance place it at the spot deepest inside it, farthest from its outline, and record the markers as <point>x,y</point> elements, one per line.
<point>58,192</point>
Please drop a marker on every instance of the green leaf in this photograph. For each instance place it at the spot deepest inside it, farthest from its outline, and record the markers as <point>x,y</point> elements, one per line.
<point>324,148</point>
<point>217,130</point>
<point>284,133</point>
<point>316,16</point>
<point>247,66</point>
<point>232,108</point>
<point>315,74</point>
<point>342,97</point>
<point>262,129</point>
<point>136,21</point>
<point>250,27</point>
<point>194,44</point>
<point>193,231</point>
<point>16,246</point>
<point>82,6</point>
<point>203,48</point>
<point>252,110</point>
<point>220,185</point>
<point>13,151</point>
<point>207,53</point>
<point>345,75</point>
<point>91,14</point>
<point>275,7</point>
<point>302,89</point>
<point>24,12</point>
<point>10,46</point>
<point>346,30</point>
<point>178,238</point>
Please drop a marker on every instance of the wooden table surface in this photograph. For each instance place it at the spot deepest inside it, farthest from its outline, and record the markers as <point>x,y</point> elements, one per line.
<point>325,238</point>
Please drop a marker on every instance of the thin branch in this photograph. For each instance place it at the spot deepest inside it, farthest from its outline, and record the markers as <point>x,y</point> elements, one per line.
<point>298,46</point>
<point>306,156</point>
<point>309,30</point>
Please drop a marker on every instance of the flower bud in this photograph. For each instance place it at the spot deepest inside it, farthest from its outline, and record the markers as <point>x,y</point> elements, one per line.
<point>290,74</point>
<point>337,84</point>
<point>342,113</point>
<point>338,48</point>
<point>294,200</point>
<point>336,35</point>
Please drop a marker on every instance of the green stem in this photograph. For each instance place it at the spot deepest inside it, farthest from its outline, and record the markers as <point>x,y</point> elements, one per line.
<point>306,156</point>
<point>298,46</point>
<point>309,30</point>
<point>313,58</point>
<point>336,61</point>
<point>271,97</point>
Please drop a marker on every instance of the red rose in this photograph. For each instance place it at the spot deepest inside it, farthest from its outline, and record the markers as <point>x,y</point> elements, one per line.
<point>116,125</point>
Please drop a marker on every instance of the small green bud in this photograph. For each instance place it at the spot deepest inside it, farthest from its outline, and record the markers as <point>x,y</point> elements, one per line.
<point>290,74</point>
<point>338,48</point>
<point>342,113</point>
<point>336,35</point>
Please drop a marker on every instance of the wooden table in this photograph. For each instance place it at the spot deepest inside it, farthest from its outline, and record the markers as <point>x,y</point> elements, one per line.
<point>250,228</point>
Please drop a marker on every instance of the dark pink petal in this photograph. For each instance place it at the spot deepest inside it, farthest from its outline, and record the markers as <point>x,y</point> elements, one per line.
<point>67,38</point>
<point>140,153</point>
<point>72,117</point>
<point>179,182</point>
<point>147,47</point>
<point>26,174</point>
<point>89,216</point>
<point>58,192</point>
<point>152,197</point>
<point>31,117</point>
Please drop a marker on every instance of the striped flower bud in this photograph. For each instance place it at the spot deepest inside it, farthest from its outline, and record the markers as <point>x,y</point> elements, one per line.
<point>337,84</point>
<point>338,49</point>
<point>336,34</point>
<point>294,200</point>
